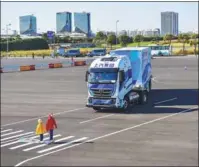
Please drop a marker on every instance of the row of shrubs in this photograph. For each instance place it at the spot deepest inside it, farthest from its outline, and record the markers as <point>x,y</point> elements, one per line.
<point>25,44</point>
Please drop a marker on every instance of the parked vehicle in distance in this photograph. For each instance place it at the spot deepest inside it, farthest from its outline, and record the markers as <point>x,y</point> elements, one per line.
<point>97,52</point>
<point>72,53</point>
<point>160,50</point>
<point>61,51</point>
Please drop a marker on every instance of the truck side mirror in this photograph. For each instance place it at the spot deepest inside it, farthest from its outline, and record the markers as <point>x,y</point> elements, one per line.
<point>121,76</point>
<point>86,77</point>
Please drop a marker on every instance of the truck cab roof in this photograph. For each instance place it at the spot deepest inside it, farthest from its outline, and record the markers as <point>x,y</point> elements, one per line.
<point>108,62</point>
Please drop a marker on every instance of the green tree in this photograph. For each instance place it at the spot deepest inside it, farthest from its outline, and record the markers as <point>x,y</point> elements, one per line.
<point>100,35</point>
<point>194,42</point>
<point>111,40</point>
<point>168,37</point>
<point>44,36</point>
<point>138,39</point>
<point>124,40</point>
<point>183,38</point>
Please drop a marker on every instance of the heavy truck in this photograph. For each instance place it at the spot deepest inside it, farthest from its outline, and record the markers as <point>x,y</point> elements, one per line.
<point>119,80</point>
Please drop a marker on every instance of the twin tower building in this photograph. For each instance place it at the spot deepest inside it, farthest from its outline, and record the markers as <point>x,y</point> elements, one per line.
<point>28,24</point>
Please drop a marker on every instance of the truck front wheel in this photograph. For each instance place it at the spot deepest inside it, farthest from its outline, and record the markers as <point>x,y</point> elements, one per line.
<point>143,99</point>
<point>126,104</point>
<point>96,108</point>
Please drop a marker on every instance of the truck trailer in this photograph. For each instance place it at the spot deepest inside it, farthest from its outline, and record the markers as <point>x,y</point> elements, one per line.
<point>120,79</point>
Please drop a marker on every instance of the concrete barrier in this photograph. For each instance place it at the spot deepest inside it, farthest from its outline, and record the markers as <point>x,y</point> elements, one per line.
<point>25,68</point>
<point>58,65</point>
<point>80,63</point>
<point>32,67</point>
<point>51,65</point>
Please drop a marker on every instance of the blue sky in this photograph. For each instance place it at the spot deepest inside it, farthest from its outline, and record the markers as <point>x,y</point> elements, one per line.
<point>132,15</point>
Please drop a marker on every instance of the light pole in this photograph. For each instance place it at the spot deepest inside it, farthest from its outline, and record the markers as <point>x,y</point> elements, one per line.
<point>116,31</point>
<point>7,26</point>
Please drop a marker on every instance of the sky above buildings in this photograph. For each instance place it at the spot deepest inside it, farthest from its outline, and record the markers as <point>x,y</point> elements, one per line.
<point>131,15</point>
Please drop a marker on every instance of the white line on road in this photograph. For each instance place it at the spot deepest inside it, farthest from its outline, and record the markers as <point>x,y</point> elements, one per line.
<point>166,100</point>
<point>6,130</point>
<point>11,140</point>
<point>96,118</point>
<point>42,145</point>
<point>15,136</point>
<point>26,144</point>
<point>7,134</point>
<point>17,141</point>
<point>61,145</point>
<point>27,120</point>
<point>110,134</point>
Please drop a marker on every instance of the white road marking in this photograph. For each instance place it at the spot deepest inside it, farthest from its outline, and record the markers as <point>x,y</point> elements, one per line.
<point>27,120</point>
<point>18,141</point>
<point>29,135</point>
<point>7,134</point>
<point>29,143</point>
<point>6,130</point>
<point>110,134</point>
<point>16,136</point>
<point>42,145</point>
<point>96,118</point>
<point>175,98</point>
<point>61,145</point>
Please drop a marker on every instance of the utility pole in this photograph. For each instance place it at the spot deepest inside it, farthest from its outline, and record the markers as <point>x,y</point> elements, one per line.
<point>7,26</point>
<point>116,31</point>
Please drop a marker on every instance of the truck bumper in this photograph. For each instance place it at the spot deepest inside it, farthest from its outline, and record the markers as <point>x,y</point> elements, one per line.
<point>102,106</point>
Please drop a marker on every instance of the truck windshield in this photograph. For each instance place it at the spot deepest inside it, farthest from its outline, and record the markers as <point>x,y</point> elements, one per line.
<point>102,77</point>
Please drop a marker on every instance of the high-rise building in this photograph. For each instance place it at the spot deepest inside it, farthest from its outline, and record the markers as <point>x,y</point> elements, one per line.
<point>169,23</point>
<point>82,23</point>
<point>64,22</point>
<point>28,25</point>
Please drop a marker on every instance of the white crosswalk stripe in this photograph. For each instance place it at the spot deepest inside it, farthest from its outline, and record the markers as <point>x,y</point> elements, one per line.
<point>8,134</point>
<point>26,144</point>
<point>3,131</point>
<point>11,140</point>
<point>18,141</point>
<point>61,145</point>
<point>42,145</point>
<point>11,137</point>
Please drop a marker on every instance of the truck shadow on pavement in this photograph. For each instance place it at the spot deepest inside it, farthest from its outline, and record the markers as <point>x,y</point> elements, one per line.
<point>163,101</point>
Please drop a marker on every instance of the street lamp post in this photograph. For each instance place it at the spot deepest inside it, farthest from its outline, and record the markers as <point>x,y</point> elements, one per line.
<point>7,26</point>
<point>116,31</point>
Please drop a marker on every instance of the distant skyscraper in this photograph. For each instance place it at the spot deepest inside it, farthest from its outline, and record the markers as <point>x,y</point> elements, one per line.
<point>28,25</point>
<point>169,23</point>
<point>63,22</point>
<point>82,23</point>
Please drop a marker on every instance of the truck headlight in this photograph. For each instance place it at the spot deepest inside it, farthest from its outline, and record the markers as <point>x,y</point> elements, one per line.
<point>138,86</point>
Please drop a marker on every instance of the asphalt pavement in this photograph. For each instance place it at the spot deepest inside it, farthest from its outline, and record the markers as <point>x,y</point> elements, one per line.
<point>162,132</point>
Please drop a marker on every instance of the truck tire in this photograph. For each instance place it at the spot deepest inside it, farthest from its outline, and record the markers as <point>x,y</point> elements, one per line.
<point>96,108</point>
<point>143,99</point>
<point>126,104</point>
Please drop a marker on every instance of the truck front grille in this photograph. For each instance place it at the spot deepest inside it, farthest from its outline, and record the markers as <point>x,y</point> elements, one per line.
<point>101,92</point>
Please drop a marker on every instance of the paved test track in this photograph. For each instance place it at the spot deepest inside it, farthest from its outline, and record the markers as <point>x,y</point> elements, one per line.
<point>165,141</point>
